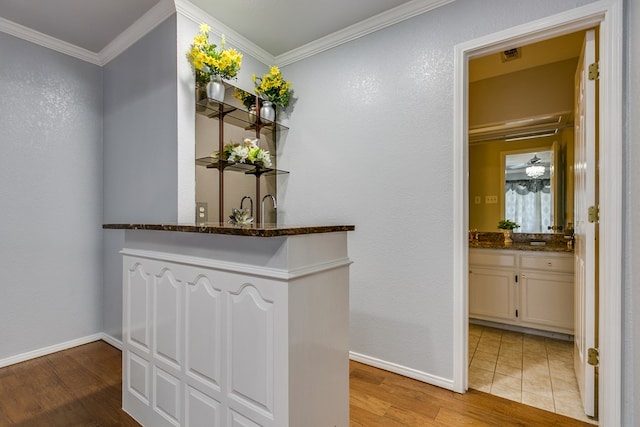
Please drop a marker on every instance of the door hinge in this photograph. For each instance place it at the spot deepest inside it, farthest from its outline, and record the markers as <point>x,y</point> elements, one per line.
<point>593,356</point>
<point>594,71</point>
<point>593,214</point>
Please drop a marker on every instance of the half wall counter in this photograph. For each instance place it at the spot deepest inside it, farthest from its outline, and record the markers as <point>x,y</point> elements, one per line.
<point>235,326</point>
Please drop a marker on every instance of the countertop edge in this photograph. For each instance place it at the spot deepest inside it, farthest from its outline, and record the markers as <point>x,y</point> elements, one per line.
<point>252,230</point>
<point>521,247</point>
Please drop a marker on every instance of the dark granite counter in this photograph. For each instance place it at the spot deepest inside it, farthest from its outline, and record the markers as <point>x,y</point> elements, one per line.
<point>266,230</point>
<point>521,246</point>
<point>547,242</point>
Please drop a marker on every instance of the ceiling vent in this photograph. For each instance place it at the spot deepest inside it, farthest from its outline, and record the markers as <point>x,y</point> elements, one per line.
<point>510,54</point>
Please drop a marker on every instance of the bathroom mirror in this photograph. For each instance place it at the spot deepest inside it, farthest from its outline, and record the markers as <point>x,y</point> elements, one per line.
<point>499,184</point>
<point>529,189</point>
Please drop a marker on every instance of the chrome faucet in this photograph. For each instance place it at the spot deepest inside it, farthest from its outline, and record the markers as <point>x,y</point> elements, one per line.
<point>275,206</point>
<point>250,205</point>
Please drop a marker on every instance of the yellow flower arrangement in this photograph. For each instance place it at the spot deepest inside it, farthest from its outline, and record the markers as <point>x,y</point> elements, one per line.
<point>273,87</point>
<point>208,60</point>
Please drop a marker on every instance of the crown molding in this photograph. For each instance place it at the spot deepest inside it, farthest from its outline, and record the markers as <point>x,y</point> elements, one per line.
<point>143,25</point>
<point>197,15</point>
<point>147,22</point>
<point>44,40</point>
<point>361,29</point>
<point>165,8</point>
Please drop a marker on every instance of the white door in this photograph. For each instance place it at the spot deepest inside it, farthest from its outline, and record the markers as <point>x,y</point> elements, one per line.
<point>585,231</point>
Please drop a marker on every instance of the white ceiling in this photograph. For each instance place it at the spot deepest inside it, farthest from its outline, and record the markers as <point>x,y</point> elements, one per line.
<point>276,26</point>
<point>279,26</point>
<point>88,24</point>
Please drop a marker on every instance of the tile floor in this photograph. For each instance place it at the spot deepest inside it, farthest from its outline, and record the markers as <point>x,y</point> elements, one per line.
<point>530,369</point>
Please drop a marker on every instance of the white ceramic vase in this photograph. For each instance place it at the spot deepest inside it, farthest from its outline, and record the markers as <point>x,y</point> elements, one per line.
<point>508,234</point>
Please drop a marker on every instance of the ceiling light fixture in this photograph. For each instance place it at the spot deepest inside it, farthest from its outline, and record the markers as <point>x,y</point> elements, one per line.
<point>536,170</point>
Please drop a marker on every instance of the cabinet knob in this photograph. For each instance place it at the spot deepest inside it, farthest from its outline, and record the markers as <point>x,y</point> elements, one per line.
<point>549,264</point>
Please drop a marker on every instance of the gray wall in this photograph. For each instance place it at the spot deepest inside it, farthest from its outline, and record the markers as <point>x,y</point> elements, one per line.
<point>140,150</point>
<point>50,197</point>
<point>631,228</point>
<point>370,144</point>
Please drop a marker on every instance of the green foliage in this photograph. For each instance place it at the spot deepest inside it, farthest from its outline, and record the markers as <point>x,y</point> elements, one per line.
<point>506,224</point>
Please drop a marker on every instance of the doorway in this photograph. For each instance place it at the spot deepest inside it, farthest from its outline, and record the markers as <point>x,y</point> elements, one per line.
<point>521,151</point>
<point>608,16</point>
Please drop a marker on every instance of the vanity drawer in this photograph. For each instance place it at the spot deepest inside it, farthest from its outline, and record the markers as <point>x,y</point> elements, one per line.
<point>491,258</point>
<point>560,264</point>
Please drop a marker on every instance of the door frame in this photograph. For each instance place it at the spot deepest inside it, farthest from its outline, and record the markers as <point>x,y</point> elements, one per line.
<point>607,15</point>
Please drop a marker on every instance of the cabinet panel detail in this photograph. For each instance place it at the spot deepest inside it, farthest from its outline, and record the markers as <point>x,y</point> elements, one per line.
<point>167,318</point>
<point>547,299</point>
<point>547,263</point>
<point>491,293</point>
<point>202,410</point>
<point>204,332</point>
<point>492,260</point>
<point>237,420</point>
<point>138,377</point>
<point>138,313</point>
<point>251,336</point>
<point>166,396</point>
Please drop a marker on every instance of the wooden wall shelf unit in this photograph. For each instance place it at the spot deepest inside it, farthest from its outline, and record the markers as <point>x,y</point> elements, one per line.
<point>254,126</point>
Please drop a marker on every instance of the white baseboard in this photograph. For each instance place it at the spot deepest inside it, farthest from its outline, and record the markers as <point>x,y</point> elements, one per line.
<point>12,360</point>
<point>524,330</point>
<point>403,370</point>
<point>49,350</point>
<point>111,340</point>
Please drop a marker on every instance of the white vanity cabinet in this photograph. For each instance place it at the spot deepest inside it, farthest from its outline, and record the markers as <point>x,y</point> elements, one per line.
<point>522,288</point>
<point>546,291</point>
<point>492,291</point>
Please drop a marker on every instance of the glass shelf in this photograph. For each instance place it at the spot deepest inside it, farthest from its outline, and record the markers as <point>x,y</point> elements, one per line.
<point>248,169</point>
<point>236,116</point>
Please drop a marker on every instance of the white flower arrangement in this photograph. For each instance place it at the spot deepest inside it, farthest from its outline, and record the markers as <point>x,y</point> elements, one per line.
<point>245,152</point>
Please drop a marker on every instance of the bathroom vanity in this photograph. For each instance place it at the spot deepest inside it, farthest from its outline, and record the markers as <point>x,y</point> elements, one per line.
<point>235,326</point>
<point>522,285</point>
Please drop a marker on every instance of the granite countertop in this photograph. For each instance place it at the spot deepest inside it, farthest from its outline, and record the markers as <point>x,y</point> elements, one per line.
<point>266,230</point>
<point>521,246</point>
<point>549,242</point>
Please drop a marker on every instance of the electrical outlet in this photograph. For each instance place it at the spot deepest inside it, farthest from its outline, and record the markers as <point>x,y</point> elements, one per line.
<point>478,200</point>
<point>491,200</point>
<point>202,212</point>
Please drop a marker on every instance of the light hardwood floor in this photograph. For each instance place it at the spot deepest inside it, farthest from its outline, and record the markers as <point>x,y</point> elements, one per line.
<point>81,387</point>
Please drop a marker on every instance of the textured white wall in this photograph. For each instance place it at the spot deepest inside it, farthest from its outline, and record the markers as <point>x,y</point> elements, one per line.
<point>50,197</point>
<point>370,144</point>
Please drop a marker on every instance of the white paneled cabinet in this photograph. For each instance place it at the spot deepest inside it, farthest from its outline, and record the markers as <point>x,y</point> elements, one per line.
<point>218,342</point>
<point>528,289</point>
<point>492,293</point>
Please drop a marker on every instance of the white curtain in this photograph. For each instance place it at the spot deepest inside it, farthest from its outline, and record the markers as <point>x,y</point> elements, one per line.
<point>529,204</point>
